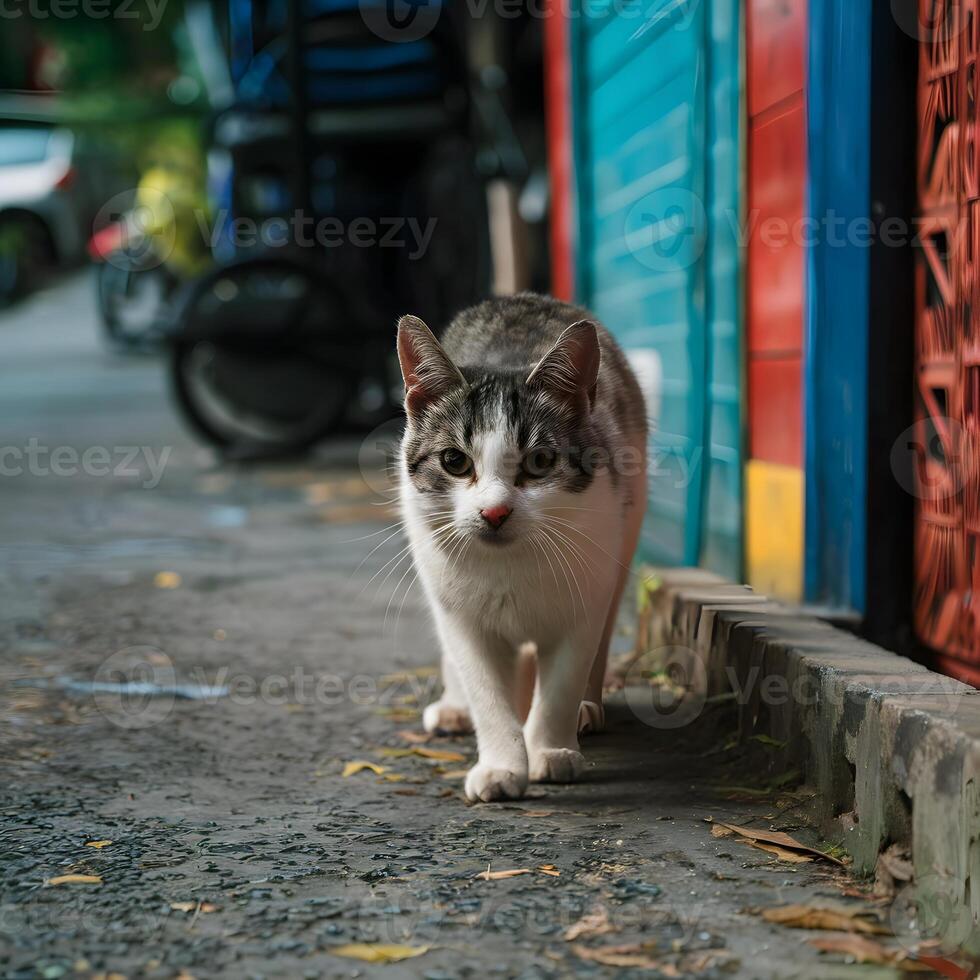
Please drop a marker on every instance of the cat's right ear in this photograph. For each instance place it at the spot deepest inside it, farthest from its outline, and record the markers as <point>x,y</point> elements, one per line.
<point>428,372</point>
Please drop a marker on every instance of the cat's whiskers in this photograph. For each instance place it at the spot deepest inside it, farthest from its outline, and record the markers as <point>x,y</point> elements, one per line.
<point>397,560</point>
<point>455,552</point>
<point>552,545</point>
<point>576,551</point>
<point>563,558</point>
<point>394,534</point>
<point>398,526</point>
<point>574,527</point>
<point>448,529</point>
<point>537,536</point>
<point>394,592</point>
<point>401,605</point>
<point>373,534</point>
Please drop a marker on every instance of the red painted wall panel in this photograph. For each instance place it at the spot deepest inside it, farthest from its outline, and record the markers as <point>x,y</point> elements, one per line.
<point>777,168</point>
<point>777,154</point>
<point>775,409</point>
<point>776,35</point>
<point>558,122</point>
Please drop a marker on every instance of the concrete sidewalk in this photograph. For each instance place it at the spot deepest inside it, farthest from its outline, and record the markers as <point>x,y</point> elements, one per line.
<point>236,846</point>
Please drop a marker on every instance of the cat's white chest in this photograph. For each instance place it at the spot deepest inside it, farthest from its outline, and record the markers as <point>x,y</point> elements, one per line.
<point>496,595</point>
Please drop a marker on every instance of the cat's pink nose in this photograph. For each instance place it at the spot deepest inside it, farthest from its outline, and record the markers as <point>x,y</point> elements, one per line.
<point>495,516</point>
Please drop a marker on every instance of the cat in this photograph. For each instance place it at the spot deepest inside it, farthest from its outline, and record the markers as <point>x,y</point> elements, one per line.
<point>522,481</point>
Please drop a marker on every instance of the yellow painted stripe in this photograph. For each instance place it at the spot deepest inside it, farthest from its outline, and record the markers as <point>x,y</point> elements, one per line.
<point>774,529</point>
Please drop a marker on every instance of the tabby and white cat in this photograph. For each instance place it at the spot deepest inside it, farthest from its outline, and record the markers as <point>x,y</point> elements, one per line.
<point>523,484</point>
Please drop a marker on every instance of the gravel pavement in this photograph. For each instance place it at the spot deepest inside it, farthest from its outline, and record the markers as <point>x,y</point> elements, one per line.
<point>271,648</point>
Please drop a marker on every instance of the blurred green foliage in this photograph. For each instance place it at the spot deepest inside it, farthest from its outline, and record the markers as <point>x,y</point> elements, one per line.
<point>125,74</point>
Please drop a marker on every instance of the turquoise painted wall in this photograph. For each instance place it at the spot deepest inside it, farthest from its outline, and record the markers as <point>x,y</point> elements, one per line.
<point>656,93</point>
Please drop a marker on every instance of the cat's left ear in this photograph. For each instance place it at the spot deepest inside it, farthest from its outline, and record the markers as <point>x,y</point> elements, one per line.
<point>571,368</point>
<point>426,368</point>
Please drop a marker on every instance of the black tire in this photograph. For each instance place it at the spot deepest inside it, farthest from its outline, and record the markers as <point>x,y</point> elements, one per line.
<point>258,360</point>
<point>133,293</point>
<point>23,255</point>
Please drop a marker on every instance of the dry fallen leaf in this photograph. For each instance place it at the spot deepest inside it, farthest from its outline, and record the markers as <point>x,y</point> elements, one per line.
<point>594,924</point>
<point>634,955</point>
<point>415,738</point>
<point>401,676</point>
<point>399,713</point>
<point>793,857</point>
<point>194,907</point>
<point>776,837</point>
<point>98,844</point>
<point>75,880</point>
<point>825,917</point>
<point>455,774</point>
<point>440,755</point>
<point>489,875</point>
<point>892,870</point>
<point>167,580</point>
<point>352,768</point>
<point>864,950</point>
<point>549,869</point>
<point>378,952</point>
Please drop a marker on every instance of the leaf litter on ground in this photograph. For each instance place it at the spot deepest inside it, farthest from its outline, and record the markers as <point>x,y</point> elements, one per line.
<point>636,955</point>
<point>595,923</point>
<point>861,949</point>
<point>382,953</point>
<point>893,870</point>
<point>545,869</point>
<point>195,907</point>
<point>778,838</point>
<point>439,755</point>
<point>830,918</point>
<point>359,765</point>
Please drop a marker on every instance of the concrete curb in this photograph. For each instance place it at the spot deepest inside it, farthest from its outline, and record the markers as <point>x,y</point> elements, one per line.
<point>891,749</point>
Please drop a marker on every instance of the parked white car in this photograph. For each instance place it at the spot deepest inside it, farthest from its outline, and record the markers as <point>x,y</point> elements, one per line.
<point>51,188</point>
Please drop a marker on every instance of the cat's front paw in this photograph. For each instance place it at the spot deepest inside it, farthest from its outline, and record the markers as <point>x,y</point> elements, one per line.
<point>555,765</point>
<point>441,716</point>
<point>484,784</point>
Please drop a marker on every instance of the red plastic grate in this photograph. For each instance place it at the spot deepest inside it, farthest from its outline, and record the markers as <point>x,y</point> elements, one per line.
<point>947,429</point>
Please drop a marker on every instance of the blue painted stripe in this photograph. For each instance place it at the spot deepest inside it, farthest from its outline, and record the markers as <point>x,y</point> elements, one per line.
<point>836,338</point>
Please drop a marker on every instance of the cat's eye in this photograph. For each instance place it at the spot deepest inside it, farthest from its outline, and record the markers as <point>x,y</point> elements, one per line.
<point>456,463</point>
<point>539,463</point>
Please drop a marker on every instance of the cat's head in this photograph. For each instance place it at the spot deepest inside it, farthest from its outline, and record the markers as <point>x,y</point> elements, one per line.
<point>497,455</point>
